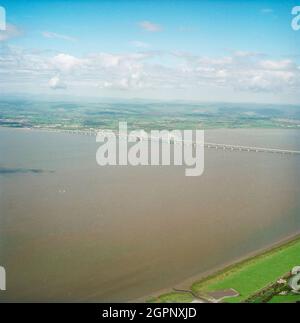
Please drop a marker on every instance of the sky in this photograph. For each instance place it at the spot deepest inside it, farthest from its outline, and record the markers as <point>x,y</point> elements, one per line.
<point>233,51</point>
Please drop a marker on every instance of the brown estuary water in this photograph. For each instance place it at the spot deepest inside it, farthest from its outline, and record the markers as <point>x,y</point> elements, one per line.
<point>71,230</point>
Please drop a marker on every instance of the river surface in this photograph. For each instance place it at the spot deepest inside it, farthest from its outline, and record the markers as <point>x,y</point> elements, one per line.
<point>71,230</point>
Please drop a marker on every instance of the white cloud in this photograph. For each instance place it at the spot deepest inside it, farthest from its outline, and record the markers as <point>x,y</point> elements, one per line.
<point>105,60</point>
<point>139,44</point>
<point>241,53</point>
<point>130,81</point>
<point>278,64</point>
<point>244,72</point>
<point>56,83</point>
<point>11,31</point>
<point>150,26</point>
<point>65,62</point>
<point>49,34</point>
<point>267,11</point>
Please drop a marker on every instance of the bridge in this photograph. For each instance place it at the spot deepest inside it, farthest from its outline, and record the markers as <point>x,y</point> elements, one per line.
<point>208,145</point>
<point>251,149</point>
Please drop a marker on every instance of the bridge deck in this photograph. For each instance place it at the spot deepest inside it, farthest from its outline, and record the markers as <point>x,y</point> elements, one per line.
<point>208,145</point>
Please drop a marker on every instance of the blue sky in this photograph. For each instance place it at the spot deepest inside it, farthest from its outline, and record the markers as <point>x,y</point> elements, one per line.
<point>202,41</point>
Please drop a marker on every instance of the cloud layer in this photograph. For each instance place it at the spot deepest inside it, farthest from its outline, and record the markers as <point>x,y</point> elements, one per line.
<point>240,71</point>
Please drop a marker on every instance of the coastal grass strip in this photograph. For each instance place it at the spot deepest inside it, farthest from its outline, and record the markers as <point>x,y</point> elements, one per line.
<point>252,275</point>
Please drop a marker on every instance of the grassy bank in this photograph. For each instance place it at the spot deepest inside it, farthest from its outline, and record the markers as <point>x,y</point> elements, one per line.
<point>255,273</point>
<point>249,276</point>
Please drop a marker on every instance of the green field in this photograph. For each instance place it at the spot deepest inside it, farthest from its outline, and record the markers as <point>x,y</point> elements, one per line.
<point>254,274</point>
<point>145,115</point>
<point>285,299</point>
<point>248,277</point>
